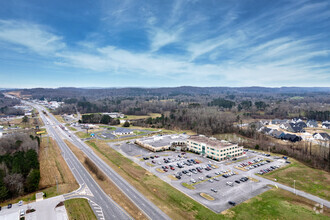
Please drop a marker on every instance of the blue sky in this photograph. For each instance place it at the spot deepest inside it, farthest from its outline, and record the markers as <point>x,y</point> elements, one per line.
<point>157,43</point>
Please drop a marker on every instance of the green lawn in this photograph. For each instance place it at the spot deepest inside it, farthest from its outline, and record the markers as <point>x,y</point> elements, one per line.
<point>313,181</point>
<point>72,129</point>
<point>274,204</point>
<point>108,127</point>
<point>79,209</point>
<point>82,134</point>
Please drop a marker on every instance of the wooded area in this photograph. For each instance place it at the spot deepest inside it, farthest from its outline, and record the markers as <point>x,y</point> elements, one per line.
<point>19,165</point>
<point>6,106</point>
<point>209,111</point>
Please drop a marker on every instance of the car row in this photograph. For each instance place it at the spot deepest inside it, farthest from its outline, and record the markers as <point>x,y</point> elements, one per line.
<point>267,170</point>
<point>238,181</point>
<point>254,164</point>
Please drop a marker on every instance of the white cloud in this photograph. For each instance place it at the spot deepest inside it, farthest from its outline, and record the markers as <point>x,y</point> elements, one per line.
<point>31,36</point>
<point>161,38</point>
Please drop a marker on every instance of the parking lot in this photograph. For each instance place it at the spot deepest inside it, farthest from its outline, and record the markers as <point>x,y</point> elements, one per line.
<point>213,184</point>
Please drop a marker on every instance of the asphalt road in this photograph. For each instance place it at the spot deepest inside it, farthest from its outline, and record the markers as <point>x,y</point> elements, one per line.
<point>110,209</point>
<point>147,207</point>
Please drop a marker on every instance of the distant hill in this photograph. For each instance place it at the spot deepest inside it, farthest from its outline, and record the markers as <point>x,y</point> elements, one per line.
<point>66,92</point>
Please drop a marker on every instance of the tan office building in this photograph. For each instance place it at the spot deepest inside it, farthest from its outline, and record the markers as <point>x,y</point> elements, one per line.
<point>213,148</point>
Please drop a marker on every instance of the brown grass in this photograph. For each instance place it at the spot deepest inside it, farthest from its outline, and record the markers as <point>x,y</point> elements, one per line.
<point>110,188</point>
<point>53,167</point>
<point>142,180</point>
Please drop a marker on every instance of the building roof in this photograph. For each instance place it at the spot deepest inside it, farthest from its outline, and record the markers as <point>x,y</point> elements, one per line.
<point>277,133</point>
<point>122,130</point>
<point>165,140</point>
<point>295,127</point>
<point>210,141</point>
<point>325,136</point>
<point>265,130</point>
<point>279,121</point>
<point>311,122</point>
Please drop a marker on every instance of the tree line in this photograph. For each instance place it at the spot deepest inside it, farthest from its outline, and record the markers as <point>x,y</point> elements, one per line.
<point>99,119</point>
<point>19,165</point>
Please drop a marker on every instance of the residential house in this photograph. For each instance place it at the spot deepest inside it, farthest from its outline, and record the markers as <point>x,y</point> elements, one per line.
<point>326,124</point>
<point>279,121</point>
<point>291,137</point>
<point>294,127</point>
<point>296,120</point>
<point>321,136</point>
<point>312,124</point>
<point>277,134</point>
<point>265,130</point>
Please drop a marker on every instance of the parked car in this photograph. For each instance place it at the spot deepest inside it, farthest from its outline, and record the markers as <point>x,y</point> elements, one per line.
<point>214,190</point>
<point>9,205</point>
<point>22,213</point>
<point>232,203</point>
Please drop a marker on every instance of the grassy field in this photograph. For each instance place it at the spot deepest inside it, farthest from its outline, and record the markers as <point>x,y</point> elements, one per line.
<point>109,128</point>
<point>82,134</point>
<point>313,181</point>
<point>276,204</point>
<point>164,131</point>
<point>72,128</point>
<point>53,168</point>
<point>110,188</point>
<point>135,117</point>
<point>59,118</point>
<point>79,209</point>
<point>179,206</point>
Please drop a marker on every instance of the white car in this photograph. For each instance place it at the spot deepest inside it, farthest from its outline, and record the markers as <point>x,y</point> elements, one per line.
<point>20,203</point>
<point>193,181</point>
<point>201,178</point>
<point>22,212</point>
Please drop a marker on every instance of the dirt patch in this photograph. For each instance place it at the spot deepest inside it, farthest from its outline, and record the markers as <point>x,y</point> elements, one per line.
<point>172,177</point>
<point>228,213</point>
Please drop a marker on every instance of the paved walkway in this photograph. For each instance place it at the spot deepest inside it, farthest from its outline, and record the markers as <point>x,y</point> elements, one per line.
<point>298,192</point>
